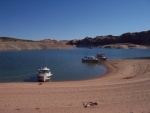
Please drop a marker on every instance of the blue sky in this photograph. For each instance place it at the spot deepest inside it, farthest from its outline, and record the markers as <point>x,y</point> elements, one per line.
<point>72,19</point>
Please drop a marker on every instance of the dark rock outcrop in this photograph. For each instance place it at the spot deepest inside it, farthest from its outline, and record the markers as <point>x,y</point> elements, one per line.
<point>140,38</point>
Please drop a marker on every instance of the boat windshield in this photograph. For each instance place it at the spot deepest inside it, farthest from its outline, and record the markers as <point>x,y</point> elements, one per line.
<point>44,71</point>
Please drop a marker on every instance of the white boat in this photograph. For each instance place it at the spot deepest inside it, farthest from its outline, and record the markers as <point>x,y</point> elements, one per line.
<point>44,74</point>
<point>101,57</point>
<point>90,59</point>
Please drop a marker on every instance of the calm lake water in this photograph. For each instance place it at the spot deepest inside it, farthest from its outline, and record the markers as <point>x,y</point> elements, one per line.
<point>65,65</point>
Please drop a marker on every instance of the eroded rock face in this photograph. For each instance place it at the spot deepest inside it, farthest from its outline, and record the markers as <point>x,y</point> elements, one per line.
<point>140,38</point>
<point>9,44</point>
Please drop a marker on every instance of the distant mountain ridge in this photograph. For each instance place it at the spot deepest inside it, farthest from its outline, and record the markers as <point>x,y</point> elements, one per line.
<point>141,38</point>
<point>9,39</point>
<point>126,40</point>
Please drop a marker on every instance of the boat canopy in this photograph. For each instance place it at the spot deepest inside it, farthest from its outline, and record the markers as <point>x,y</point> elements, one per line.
<point>45,68</point>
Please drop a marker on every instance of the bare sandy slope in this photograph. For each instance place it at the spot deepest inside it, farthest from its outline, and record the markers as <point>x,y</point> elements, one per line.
<point>15,46</point>
<point>124,89</point>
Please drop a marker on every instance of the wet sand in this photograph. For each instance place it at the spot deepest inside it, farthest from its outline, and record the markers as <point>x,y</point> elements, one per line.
<point>125,88</point>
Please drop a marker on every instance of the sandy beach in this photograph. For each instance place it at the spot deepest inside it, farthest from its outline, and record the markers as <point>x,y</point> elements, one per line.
<point>125,88</point>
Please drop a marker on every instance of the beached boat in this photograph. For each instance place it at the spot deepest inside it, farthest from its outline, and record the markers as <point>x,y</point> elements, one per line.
<point>90,59</point>
<point>101,57</point>
<point>44,74</point>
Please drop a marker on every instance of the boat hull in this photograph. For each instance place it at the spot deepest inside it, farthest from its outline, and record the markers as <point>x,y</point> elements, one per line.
<point>90,61</point>
<point>44,78</point>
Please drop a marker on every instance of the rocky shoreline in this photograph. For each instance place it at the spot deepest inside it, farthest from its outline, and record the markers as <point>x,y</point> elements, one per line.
<point>16,46</point>
<point>124,46</point>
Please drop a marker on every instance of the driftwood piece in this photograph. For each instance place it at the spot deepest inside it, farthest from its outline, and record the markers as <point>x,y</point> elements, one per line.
<point>89,104</point>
